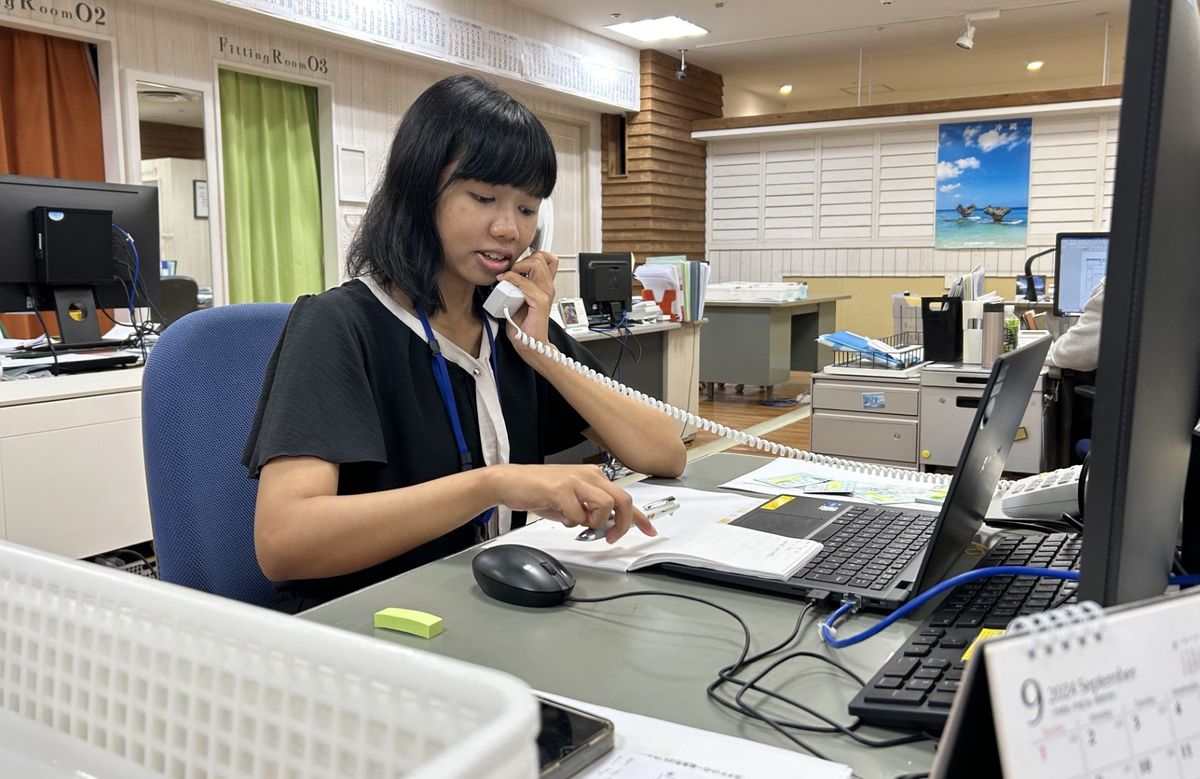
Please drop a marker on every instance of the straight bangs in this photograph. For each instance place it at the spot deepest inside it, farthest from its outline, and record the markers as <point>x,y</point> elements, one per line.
<point>510,148</point>
<point>477,131</point>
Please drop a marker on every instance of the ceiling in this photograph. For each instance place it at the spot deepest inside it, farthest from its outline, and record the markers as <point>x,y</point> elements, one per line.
<point>169,105</point>
<point>905,48</point>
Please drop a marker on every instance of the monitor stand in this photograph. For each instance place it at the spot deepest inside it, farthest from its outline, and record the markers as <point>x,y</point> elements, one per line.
<point>76,311</point>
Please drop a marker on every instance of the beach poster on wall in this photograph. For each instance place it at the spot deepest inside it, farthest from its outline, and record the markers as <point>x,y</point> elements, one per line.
<point>983,184</point>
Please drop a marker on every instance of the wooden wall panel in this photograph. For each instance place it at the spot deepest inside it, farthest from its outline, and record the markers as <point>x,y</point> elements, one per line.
<point>657,206</point>
<point>170,140</point>
<point>978,103</point>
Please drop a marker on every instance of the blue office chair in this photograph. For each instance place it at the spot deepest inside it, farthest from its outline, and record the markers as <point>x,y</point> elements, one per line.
<point>199,396</point>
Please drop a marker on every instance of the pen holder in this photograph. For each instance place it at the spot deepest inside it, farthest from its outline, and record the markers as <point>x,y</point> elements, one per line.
<point>941,322</point>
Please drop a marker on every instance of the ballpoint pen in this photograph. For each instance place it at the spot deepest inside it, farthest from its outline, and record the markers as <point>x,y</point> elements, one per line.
<point>652,510</point>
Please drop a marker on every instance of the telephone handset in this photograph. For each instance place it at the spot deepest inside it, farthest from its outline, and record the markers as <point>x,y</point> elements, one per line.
<point>507,295</point>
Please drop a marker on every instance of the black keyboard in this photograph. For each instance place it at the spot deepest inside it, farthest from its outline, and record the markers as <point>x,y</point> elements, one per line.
<point>916,686</point>
<point>868,546</point>
<point>77,346</point>
<point>95,364</point>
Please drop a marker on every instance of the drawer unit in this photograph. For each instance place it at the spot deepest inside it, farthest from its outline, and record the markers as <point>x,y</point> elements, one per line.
<point>866,397</point>
<point>950,395</point>
<point>72,476</point>
<point>873,418</point>
<point>888,439</point>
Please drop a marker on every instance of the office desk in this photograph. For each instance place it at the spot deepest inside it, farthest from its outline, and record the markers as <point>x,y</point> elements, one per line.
<point>761,343</point>
<point>72,477</point>
<point>655,373</point>
<point>647,655</point>
<point>665,368</point>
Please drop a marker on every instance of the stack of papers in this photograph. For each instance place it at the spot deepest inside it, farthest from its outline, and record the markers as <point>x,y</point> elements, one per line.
<point>757,291</point>
<point>10,344</point>
<point>846,341</point>
<point>677,284</point>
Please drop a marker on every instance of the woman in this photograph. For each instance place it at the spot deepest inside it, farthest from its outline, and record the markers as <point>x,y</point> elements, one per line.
<point>398,423</point>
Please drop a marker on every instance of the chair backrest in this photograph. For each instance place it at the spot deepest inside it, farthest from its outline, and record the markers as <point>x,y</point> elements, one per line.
<point>178,295</point>
<point>199,395</point>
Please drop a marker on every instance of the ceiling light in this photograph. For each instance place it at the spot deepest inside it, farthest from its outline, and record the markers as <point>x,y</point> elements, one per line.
<point>1035,65</point>
<point>664,28</point>
<point>681,74</point>
<point>164,96</point>
<point>785,89</point>
<point>967,39</point>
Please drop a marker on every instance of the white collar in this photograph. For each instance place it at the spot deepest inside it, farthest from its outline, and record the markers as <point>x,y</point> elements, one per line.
<point>452,351</point>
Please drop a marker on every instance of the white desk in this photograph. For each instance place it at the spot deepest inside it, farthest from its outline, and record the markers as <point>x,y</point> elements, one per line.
<point>72,476</point>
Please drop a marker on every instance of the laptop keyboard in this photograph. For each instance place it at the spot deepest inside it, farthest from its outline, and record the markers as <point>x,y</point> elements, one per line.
<point>916,686</point>
<point>867,547</point>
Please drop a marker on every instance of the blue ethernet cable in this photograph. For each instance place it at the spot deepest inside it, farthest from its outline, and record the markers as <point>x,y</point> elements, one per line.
<point>829,632</point>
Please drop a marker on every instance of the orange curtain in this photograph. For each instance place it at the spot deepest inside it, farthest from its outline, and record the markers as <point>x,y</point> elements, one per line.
<point>49,120</point>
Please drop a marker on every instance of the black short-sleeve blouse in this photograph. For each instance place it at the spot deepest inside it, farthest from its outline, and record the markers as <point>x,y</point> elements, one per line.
<point>351,384</point>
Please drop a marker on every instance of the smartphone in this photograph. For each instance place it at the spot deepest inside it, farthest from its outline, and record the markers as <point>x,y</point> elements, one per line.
<point>570,740</point>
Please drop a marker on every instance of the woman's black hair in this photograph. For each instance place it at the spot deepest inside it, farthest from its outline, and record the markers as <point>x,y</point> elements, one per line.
<point>488,135</point>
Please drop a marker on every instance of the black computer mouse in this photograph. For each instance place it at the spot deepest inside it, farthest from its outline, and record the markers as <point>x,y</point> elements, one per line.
<point>522,576</point>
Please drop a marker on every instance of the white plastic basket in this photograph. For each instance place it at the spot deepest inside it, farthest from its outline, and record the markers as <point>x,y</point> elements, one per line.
<point>186,684</point>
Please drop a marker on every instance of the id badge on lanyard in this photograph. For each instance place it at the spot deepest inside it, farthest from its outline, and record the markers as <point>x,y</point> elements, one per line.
<point>442,375</point>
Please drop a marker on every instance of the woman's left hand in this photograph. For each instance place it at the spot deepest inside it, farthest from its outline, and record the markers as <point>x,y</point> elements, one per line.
<point>533,275</point>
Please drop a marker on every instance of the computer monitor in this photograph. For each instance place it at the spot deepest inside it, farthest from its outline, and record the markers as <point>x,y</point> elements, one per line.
<point>1039,287</point>
<point>605,284</point>
<point>84,262</point>
<point>1080,260</point>
<point>1148,379</point>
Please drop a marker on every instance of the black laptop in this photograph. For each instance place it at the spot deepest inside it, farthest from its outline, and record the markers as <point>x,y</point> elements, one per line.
<point>882,555</point>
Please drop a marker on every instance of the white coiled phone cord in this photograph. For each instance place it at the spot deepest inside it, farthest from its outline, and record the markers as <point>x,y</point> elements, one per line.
<point>708,425</point>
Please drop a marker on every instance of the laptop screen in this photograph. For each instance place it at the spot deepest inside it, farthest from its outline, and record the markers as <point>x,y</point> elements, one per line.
<point>983,456</point>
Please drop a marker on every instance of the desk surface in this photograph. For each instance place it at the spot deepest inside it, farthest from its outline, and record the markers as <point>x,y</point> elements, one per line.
<point>648,655</point>
<point>20,392</point>
<point>641,329</point>
<point>811,300</point>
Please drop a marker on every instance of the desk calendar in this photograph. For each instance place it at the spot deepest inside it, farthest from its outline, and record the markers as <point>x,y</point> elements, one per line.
<point>1081,694</point>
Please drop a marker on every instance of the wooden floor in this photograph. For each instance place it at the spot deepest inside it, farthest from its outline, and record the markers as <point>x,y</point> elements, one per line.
<point>741,411</point>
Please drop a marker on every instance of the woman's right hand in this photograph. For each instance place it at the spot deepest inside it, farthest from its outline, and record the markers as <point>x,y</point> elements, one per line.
<point>571,494</point>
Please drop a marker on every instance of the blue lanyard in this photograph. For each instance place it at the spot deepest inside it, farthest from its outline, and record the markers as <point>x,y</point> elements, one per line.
<point>442,375</point>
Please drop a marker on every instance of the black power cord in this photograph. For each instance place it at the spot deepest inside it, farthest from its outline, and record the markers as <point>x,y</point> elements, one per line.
<point>46,332</point>
<point>622,336</point>
<point>1083,474</point>
<point>750,711</point>
<point>738,704</point>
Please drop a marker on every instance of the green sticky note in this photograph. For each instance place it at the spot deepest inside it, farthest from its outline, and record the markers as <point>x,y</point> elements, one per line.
<point>418,623</point>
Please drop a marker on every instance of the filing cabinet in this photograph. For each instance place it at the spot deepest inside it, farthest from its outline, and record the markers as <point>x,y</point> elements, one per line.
<point>870,416</point>
<point>950,394</point>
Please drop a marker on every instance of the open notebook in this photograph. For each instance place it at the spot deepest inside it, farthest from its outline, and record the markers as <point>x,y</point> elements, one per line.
<point>696,535</point>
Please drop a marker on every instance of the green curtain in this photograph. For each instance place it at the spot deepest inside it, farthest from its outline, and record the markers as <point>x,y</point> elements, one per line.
<point>269,147</point>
